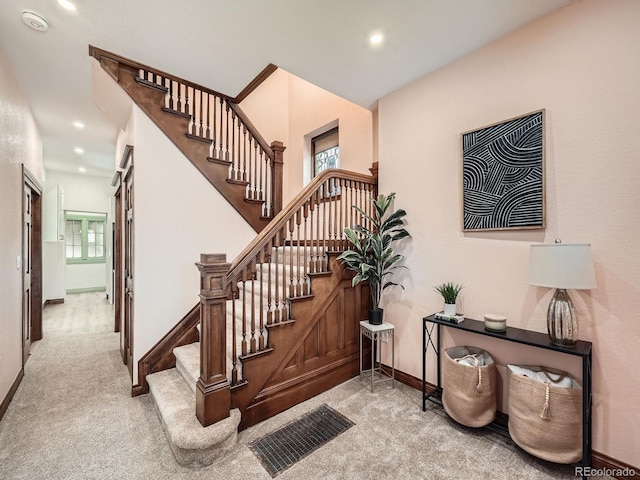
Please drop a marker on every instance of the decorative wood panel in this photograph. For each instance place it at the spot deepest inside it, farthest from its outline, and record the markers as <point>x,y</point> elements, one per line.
<point>325,322</point>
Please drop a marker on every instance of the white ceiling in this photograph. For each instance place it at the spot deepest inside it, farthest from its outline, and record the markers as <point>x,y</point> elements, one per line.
<point>224,44</point>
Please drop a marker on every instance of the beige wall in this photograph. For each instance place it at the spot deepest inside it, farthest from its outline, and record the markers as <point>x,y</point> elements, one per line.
<point>292,110</point>
<point>19,144</point>
<point>582,65</point>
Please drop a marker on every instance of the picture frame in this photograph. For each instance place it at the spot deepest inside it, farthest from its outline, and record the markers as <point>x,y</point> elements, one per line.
<point>503,175</point>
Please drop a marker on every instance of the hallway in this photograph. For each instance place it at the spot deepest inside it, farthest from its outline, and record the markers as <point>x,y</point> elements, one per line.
<point>73,418</point>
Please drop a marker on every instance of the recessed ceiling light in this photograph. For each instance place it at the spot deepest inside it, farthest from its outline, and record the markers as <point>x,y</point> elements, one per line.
<point>79,150</point>
<point>376,39</point>
<point>34,21</point>
<point>66,4</point>
<point>82,169</point>
<point>79,125</point>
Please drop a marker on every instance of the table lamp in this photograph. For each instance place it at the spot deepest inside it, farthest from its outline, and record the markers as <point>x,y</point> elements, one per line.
<point>562,266</point>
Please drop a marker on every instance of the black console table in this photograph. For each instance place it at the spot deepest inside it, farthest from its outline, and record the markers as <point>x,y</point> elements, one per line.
<point>516,335</point>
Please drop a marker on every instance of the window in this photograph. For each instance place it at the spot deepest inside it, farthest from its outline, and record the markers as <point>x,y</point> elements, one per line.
<point>325,151</point>
<point>85,237</point>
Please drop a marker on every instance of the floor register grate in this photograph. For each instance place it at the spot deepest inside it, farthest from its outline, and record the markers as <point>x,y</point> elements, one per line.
<point>279,450</point>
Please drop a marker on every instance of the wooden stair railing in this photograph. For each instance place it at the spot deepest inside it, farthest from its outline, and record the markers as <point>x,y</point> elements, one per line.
<point>272,272</point>
<point>230,143</point>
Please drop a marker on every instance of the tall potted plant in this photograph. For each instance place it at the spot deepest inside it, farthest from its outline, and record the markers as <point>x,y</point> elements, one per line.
<point>372,256</point>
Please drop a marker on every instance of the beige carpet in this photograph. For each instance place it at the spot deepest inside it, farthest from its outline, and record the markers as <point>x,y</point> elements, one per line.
<point>73,418</point>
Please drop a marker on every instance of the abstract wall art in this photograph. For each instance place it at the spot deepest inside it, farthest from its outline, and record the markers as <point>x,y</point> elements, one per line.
<point>503,175</point>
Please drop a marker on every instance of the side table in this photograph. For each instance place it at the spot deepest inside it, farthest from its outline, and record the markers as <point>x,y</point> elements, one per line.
<point>377,334</point>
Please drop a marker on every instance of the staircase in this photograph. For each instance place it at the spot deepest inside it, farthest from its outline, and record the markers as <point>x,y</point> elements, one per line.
<point>279,324</point>
<point>174,390</point>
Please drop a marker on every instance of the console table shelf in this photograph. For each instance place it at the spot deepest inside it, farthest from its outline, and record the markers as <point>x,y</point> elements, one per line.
<point>515,335</point>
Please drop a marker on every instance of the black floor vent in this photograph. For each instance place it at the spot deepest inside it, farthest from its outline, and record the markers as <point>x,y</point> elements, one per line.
<point>284,447</point>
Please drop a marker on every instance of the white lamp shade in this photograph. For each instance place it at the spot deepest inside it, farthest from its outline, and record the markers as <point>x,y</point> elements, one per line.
<point>562,265</point>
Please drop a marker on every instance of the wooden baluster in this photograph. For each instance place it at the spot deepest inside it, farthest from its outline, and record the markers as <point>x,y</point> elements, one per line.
<point>169,97</point>
<point>226,129</point>
<point>261,176</point>
<point>277,276</point>
<point>201,131</point>
<point>241,140</point>
<point>349,207</point>
<point>207,132</point>
<point>237,146</point>
<point>220,137</point>
<point>269,299</point>
<point>261,309</point>
<point>267,182</point>
<point>237,173</point>
<point>329,206</point>
<point>251,272</point>
<point>244,153</point>
<point>244,315</point>
<point>314,247</point>
<point>244,160</point>
<point>292,292</point>
<point>250,160</point>
<point>179,94</point>
<point>232,126</point>
<point>256,179</point>
<point>188,108</point>
<point>214,117</point>
<point>323,231</point>
<point>234,339</point>
<point>319,213</point>
<point>298,284</point>
<point>337,197</point>
<point>341,202</point>
<point>238,151</point>
<point>306,252</point>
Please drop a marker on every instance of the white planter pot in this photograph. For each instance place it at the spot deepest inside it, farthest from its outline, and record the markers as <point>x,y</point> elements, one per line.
<point>449,308</point>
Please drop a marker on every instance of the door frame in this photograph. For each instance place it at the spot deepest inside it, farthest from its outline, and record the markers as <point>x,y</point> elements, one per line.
<point>117,258</point>
<point>123,299</point>
<point>35,306</point>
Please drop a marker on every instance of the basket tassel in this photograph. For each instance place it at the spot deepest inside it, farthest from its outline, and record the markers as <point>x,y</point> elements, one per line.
<point>545,414</point>
<point>479,388</point>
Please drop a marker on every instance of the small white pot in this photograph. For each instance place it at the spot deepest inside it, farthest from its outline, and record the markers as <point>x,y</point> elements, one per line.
<point>449,308</point>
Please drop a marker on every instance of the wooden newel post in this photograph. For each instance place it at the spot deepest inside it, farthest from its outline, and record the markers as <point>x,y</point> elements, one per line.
<point>276,176</point>
<point>213,395</point>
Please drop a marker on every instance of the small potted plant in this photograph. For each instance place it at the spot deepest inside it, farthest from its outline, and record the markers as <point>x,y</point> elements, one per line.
<point>449,293</point>
<point>372,256</point>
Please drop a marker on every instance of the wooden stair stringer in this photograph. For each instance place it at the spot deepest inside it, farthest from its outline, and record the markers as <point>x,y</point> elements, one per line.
<point>151,101</point>
<point>286,377</point>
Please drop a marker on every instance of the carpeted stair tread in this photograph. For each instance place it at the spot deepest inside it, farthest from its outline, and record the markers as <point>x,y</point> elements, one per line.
<point>188,363</point>
<point>192,444</point>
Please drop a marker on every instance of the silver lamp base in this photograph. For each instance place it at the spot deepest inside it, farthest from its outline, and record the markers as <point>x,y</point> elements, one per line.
<point>562,320</point>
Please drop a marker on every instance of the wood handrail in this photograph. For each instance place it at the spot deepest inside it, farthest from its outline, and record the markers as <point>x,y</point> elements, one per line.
<point>274,269</point>
<point>97,53</point>
<point>279,221</point>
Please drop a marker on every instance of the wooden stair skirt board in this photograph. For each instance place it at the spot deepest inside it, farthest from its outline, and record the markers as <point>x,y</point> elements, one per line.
<point>318,350</point>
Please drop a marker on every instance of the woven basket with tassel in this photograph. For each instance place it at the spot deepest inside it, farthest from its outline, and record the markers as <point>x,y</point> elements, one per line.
<point>469,391</point>
<point>545,420</point>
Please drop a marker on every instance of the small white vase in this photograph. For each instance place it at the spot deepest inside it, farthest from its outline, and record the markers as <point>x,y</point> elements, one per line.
<point>450,309</point>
